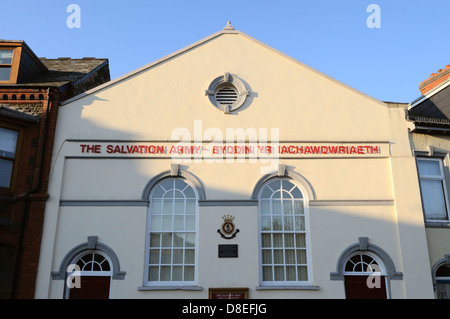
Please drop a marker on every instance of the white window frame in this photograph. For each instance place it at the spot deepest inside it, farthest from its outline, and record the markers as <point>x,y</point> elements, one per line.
<point>441,178</point>
<point>307,245</point>
<point>149,231</point>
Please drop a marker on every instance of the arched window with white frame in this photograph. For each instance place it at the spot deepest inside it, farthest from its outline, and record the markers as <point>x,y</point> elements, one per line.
<point>284,255</point>
<point>171,247</point>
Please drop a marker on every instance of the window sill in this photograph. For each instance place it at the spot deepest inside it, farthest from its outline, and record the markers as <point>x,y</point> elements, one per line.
<point>442,224</point>
<point>287,287</point>
<point>152,288</point>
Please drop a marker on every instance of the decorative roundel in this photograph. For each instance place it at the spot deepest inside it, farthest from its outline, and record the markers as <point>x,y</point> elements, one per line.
<point>227,92</point>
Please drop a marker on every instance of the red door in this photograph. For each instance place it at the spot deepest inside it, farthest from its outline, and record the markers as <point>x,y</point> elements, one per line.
<point>91,287</point>
<point>356,287</point>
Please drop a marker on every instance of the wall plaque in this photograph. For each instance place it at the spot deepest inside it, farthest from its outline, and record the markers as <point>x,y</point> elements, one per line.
<point>228,293</point>
<point>228,251</point>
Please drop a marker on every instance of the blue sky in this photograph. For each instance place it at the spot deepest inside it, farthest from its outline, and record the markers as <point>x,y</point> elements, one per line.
<point>332,36</point>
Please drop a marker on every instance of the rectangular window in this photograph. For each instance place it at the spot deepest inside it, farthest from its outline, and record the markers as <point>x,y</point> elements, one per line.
<point>5,65</point>
<point>8,143</point>
<point>433,189</point>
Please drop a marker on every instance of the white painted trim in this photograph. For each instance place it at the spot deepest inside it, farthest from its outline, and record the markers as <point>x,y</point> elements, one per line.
<point>429,94</point>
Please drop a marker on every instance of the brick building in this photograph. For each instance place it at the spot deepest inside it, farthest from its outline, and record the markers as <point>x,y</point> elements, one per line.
<point>31,89</point>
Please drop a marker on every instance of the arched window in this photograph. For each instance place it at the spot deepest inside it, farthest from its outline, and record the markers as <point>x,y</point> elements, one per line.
<point>283,233</point>
<point>93,262</point>
<point>171,249</point>
<point>361,263</point>
<point>442,278</point>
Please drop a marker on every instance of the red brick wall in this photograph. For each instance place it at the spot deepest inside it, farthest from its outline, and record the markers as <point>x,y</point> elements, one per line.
<point>30,193</point>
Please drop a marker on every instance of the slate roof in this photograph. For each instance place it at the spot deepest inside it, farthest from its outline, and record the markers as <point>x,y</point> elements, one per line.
<point>65,70</point>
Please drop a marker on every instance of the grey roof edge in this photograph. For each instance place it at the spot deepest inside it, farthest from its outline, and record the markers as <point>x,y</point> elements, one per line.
<point>429,94</point>
<point>201,42</point>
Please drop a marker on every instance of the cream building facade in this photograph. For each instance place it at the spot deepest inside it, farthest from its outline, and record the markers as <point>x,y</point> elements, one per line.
<point>230,169</point>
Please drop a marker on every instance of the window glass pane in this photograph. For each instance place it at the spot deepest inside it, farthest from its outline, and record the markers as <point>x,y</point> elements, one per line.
<point>166,240</point>
<point>302,273</point>
<point>156,206</point>
<point>153,273</point>
<point>177,256</point>
<point>154,256</point>
<point>167,207</point>
<point>190,206</point>
<point>427,167</point>
<point>290,273</point>
<point>190,240</point>
<point>279,273</point>
<point>266,240</point>
<point>265,207</point>
<point>178,240</point>
<point>277,223</point>
<point>189,256</point>
<point>155,240</point>
<point>267,273</point>
<point>166,256</point>
<point>190,222</point>
<point>6,56</point>
<point>266,193</point>
<point>289,255</point>
<point>179,207</point>
<point>287,207</point>
<point>177,274</point>
<point>167,223</point>
<point>300,240</point>
<point>433,199</point>
<point>278,256</point>
<point>189,273</point>
<point>289,240</point>
<point>277,240</point>
<point>266,256</point>
<point>299,223</point>
<point>178,223</point>
<point>189,193</point>
<point>5,73</point>
<point>288,223</point>
<point>266,223</point>
<point>155,223</point>
<point>8,141</point>
<point>298,207</point>
<point>165,273</point>
<point>6,168</point>
<point>158,192</point>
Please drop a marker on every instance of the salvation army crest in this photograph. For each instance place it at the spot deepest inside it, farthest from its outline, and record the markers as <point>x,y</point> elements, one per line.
<point>228,230</point>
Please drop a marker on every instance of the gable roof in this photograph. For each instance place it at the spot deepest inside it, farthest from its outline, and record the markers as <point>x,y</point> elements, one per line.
<point>227,30</point>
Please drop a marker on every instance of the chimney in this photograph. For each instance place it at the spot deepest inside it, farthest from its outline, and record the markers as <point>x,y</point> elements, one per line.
<point>435,80</point>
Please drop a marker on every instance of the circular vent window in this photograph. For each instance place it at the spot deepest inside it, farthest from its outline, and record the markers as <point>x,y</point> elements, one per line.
<point>227,93</point>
